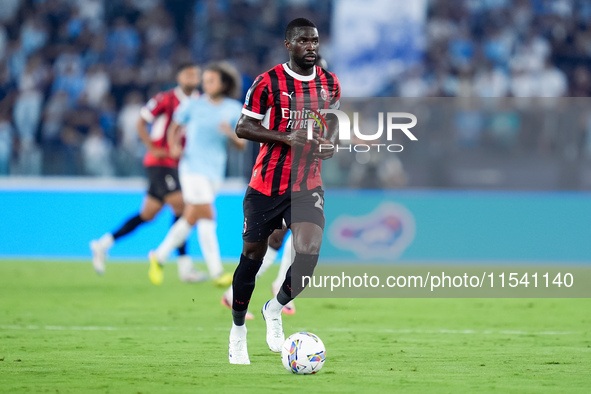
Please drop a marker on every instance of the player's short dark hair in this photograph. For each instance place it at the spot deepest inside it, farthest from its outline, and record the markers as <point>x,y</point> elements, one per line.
<point>294,24</point>
<point>183,66</point>
<point>230,77</point>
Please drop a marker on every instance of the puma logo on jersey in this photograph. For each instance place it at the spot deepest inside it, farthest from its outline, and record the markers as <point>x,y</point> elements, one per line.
<point>288,94</point>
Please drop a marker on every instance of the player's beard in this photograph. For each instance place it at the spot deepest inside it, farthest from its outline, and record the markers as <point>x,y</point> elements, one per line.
<point>303,63</point>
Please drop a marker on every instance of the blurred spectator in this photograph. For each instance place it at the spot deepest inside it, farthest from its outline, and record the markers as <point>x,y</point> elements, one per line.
<point>72,66</point>
<point>69,75</point>
<point>3,41</point>
<point>123,43</point>
<point>96,52</point>
<point>96,153</point>
<point>130,150</point>
<point>7,87</point>
<point>414,84</point>
<point>127,121</point>
<point>98,84</point>
<point>34,34</point>
<point>523,83</point>
<point>6,142</point>
<point>92,13</point>
<point>8,10</point>
<point>581,82</point>
<point>531,55</point>
<point>51,132</point>
<point>53,118</point>
<point>552,82</point>
<point>108,118</point>
<point>491,82</point>
<point>27,115</point>
<point>17,59</point>
<point>159,32</point>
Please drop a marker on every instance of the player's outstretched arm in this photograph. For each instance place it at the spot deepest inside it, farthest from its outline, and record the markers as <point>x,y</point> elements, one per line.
<point>251,129</point>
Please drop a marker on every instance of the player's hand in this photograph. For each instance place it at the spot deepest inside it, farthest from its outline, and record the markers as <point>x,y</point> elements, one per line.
<point>325,150</point>
<point>176,151</point>
<point>299,138</point>
<point>159,153</point>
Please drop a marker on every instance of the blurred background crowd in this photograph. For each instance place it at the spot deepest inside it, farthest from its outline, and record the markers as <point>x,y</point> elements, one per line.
<point>75,73</point>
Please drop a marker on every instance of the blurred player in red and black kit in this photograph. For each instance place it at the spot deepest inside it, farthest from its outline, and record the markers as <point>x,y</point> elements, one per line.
<point>272,115</point>
<point>164,186</point>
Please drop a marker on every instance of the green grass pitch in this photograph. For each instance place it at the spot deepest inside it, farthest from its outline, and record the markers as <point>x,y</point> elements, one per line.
<point>63,329</point>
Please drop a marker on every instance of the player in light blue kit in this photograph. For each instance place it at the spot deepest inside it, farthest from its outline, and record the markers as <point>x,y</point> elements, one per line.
<point>209,123</point>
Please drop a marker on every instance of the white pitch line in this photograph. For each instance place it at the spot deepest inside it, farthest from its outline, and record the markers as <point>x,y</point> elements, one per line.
<point>334,329</point>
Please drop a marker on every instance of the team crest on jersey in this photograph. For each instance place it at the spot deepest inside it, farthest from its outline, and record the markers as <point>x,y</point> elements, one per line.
<point>324,94</point>
<point>247,100</point>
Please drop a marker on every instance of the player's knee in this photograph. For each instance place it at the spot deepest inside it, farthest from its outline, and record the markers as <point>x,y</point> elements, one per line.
<point>147,217</point>
<point>308,246</point>
<point>254,255</point>
<point>192,220</point>
<point>254,250</point>
<point>308,249</point>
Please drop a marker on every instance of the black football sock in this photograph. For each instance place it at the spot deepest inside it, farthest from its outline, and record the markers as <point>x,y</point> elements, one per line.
<point>128,227</point>
<point>243,286</point>
<point>183,248</point>
<point>303,265</point>
<point>239,317</point>
<point>282,297</point>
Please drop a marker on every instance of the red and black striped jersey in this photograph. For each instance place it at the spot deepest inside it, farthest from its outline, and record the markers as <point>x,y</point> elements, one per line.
<point>158,112</point>
<point>282,100</point>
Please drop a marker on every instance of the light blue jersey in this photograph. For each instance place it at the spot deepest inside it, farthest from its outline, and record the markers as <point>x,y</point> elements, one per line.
<point>205,150</point>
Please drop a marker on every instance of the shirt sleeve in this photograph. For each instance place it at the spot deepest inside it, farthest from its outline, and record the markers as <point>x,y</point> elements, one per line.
<point>153,108</point>
<point>181,114</point>
<point>256,102</point>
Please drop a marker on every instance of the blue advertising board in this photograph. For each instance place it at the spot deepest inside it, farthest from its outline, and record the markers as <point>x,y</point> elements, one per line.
<point>362,226</point>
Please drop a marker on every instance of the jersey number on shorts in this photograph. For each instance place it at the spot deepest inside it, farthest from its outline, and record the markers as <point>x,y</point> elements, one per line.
<point>319,202</point>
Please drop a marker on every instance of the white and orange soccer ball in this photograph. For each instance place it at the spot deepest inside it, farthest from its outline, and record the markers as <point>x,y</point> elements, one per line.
<point>303,353</point>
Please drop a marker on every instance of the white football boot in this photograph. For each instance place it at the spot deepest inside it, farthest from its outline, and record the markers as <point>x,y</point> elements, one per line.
<point>275,336</point>
<point>237,350</point>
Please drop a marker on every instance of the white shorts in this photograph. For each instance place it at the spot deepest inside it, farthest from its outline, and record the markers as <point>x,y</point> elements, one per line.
<point>198,189</point>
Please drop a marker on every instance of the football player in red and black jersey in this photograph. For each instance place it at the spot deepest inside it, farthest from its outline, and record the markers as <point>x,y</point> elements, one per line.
<point>285,183</point>
<point>161,168</point>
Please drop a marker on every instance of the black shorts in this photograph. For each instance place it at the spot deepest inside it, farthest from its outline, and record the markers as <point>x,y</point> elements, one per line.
<point>163,181</point>
<point>264,214</point>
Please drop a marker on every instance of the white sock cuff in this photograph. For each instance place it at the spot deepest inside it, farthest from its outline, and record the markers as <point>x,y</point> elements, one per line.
<point>238,330</point>
<point>182,222</point>
<point>274,307</point>
<point>206,223</point>
<point>208,241</point>
<point>177,234</point>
